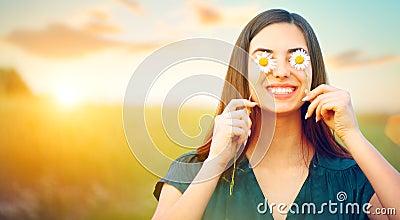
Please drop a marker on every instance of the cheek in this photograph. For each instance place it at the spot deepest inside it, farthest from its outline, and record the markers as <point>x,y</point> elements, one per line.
<point>304,76</point>
<point>258,91</point>
<point>255,78</point>
<point>309,76</point>
<point>257,81</point>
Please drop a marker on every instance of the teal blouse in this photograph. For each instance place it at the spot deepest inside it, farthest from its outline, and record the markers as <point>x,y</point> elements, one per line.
<point>335,188</point>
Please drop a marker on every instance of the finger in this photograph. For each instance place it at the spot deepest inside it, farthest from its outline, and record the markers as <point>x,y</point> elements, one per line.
<point>316,102</point>
<point>234,104</point>
<point>239,133</point>
<point>327,110</point>
<point>238,114</point>
<point>326,101</point>
<point>248,123</point>
<point>237,123</point>
<point>236,131</point>
<point>313,105</point>
<point>240,123</point>
<point>334,100</point>
<point>321,89</point>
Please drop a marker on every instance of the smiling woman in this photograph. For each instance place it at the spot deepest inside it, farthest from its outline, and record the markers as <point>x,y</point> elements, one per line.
<point>294,162</point>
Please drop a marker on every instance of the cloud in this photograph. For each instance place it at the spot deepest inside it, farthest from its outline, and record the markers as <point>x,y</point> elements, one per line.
<point>133,7</point>
<point>98,14</point>
<point>220,15</point>
<point>356,59</point>
<point>60,41</point>
<point>96,20</point>
<point>90,15</point>
<point>236,16</point>
<point>206,13</point>
<point>96,28</point>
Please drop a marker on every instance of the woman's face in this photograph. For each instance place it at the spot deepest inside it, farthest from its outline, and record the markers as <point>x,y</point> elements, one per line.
<point>282,89</point>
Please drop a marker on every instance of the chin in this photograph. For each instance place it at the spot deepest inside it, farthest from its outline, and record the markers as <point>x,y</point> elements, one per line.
<point>280,108</point>
<point>279,105</point>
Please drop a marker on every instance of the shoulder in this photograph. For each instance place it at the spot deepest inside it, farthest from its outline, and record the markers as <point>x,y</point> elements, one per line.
<point>339,180</point>
<point>184,168</point>
<point>181,172</point>
<point>189,157</point>
<point>343,172</point>
<point>333,163</point>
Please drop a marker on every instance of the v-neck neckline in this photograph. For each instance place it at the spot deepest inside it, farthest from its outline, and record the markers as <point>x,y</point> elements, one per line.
<point>297,198</point>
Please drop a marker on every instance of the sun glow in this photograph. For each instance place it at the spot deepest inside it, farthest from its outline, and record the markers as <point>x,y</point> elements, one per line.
<point>68,96</point>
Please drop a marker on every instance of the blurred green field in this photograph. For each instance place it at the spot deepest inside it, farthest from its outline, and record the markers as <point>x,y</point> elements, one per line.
<point>74,162</point>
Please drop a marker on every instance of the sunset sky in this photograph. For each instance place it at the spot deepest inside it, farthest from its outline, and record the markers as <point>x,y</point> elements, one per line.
<point>90,49</point>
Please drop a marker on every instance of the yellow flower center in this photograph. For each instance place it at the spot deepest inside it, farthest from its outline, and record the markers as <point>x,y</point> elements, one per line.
<point>299,59</point>
<point>263,61</point>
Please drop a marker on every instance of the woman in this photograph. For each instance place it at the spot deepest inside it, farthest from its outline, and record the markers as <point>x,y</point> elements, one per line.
<point>305,173</point>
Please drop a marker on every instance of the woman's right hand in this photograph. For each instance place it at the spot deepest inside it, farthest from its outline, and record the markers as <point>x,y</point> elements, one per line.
<point>231,129</point>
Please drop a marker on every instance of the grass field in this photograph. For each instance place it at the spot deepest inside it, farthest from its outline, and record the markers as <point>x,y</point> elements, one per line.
<point>74,163</point>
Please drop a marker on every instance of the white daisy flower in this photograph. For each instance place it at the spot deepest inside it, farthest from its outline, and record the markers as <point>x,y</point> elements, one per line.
<point>265,62</point>
<point>299,59</point>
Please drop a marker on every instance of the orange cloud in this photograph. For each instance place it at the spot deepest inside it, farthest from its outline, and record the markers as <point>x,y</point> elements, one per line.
<point>393,128</point>
<point>354,59</point>
<point>133,6</point>
<point>216,15</point>
<point>98,14</point>
<point>207,13</point>
<point>59,41</point>
<point>96,28</point>
<point>90,15</point>
<point>94,21</point>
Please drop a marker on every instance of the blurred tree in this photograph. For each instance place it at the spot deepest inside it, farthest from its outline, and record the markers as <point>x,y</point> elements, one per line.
<point>12,84</point>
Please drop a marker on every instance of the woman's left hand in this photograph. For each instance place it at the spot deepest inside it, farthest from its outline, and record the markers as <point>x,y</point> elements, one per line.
<point>334,107</point>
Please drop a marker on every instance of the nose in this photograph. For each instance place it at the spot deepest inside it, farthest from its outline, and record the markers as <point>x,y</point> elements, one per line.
<point>282,68</point>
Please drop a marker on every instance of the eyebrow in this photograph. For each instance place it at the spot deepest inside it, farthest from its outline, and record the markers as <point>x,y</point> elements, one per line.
<point>298,48</point>
<point>262,50</point>
<point>271,51</point>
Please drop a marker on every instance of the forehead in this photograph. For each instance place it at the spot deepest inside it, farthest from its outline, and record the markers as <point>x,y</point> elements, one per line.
<point>279,37</point>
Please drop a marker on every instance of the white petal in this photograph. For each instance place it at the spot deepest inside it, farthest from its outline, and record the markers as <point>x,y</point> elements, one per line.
<point>264,54</point>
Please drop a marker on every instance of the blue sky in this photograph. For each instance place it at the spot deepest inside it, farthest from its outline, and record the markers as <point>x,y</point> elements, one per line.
<point>71,44</point>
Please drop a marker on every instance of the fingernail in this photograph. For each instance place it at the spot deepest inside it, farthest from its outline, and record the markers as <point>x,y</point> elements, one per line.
<point>251,103</point>
<point>306,98</point>
<point>316,119</point>
<point>305,91</point>
<point>249,133</point>
<point>306,116</point>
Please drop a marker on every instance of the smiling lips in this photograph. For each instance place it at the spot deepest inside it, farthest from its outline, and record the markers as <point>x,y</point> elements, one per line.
<point>282,91</point>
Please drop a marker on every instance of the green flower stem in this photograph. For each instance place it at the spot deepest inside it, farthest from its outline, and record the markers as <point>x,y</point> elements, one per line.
<point>308,86</point>
<point>232,183</point>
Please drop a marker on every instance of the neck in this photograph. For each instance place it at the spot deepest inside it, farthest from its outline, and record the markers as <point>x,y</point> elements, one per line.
<point>287,145</point>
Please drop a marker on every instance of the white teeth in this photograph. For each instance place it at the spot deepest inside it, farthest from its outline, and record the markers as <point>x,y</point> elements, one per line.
<point>281,90</point>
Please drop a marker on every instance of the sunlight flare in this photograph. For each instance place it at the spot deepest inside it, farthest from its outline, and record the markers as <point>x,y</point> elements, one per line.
<point>68,96</point>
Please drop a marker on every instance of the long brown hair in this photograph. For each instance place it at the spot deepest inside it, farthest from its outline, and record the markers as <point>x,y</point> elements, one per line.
<point>237,86</point>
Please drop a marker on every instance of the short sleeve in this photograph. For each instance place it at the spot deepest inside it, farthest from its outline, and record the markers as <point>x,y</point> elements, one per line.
<point>342,181</point>
<point>352,178</point>
<point>364,188</point>
<point>180,174</point>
